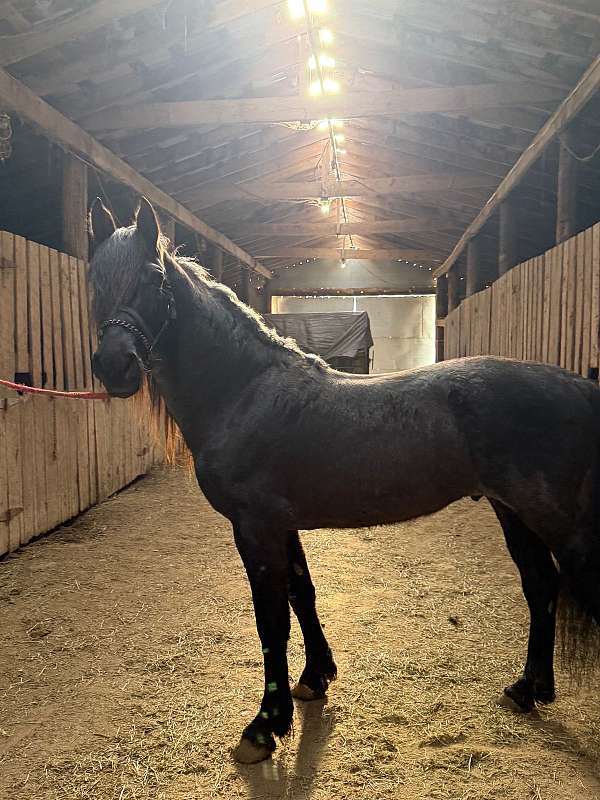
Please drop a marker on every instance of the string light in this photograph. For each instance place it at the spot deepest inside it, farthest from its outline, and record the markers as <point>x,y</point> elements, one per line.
<point>325,205</point>
<point>339,137</point>
<point>297,11</point>
<point>326,36</point>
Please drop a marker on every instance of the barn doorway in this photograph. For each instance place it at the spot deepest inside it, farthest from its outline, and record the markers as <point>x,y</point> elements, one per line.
<point>403,326</point>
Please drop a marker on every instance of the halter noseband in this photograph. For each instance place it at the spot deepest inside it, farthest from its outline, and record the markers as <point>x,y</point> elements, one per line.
<point>140,330</point>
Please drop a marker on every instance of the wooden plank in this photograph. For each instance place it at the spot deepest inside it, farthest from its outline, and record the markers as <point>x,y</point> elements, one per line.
<point>579,247</point>
<point>595,311</point>
<point>417,224</point>
<point>21,324</point>
<point>348,105</point>
<point>567,111</point>
<point>28,445</point>
<point>14,472</point>
<point>545,346</point>
<point>11,495</point>
<point>587,246</point>
<point>5,509</point>
<point>266,191</point>
<point>84,310</point>
<point>70,487</point>
<point>78,409</point>
<point>105,12</point>
<point>33,311</point>
<point>422,256</point>
<point>555,346</point>
<point>37,406</point>
<point>57,127</point>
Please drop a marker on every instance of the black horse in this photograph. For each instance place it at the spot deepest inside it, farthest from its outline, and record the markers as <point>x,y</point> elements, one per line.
<point>281,442</point>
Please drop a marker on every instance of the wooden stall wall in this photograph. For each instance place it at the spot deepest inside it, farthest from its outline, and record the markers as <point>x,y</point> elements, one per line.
<point>546,309</point>
<point>57,456</point>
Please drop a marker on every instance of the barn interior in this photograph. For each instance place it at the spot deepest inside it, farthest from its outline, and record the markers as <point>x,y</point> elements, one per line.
<point>429,166</point>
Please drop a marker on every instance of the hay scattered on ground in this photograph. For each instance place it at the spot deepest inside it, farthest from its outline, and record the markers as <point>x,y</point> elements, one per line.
<point>130,665</point>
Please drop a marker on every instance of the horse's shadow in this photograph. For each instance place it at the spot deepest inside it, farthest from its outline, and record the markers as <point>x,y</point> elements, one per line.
<point>276,778</point>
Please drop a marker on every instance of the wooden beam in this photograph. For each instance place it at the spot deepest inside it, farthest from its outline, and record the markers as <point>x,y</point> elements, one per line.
<point>8,12</point>
<point>74,207</point>
<point>417,224</point>
<point>587,87</point>
<point>563,8</point>
<point>261,191</point>
<point>24,45</point>
<point>508,246</point>
<point>14,95</point>
<point>306,253</point>
<point>349,105</point>
<point>566,200</point>
<point>217,264</point>
<point>348,292</point>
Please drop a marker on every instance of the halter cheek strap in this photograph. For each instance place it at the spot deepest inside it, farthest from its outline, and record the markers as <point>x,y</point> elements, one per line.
<point>140,331</point>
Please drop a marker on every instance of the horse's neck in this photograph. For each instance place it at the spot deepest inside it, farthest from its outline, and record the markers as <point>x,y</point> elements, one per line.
<point>204,369</point>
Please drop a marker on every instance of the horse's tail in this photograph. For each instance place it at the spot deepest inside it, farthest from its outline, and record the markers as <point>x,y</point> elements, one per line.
<point>578,612</point>
<point>577,629</point>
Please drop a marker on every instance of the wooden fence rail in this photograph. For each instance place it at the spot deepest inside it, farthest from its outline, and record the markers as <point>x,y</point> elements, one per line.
<point>57,456</point>
<point>546,309</point>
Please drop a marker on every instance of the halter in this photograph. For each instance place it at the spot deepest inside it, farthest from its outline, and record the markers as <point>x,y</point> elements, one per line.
<point>140,330</point>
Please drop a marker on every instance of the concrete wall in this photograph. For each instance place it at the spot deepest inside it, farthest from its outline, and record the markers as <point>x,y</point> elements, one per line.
<point>383,275</point>
<point>403,327</point>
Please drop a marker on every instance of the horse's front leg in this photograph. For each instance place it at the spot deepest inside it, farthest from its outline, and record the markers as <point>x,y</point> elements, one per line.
<point>263,551</point>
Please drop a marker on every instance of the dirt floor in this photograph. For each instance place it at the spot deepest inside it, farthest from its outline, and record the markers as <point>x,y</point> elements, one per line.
<point>129,664</point>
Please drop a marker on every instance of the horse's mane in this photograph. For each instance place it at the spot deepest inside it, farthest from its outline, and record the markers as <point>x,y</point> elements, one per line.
<point>115,272</point>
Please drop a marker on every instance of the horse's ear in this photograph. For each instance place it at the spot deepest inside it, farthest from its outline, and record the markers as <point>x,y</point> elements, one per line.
<point>147,225</point>
<point>101,222</point>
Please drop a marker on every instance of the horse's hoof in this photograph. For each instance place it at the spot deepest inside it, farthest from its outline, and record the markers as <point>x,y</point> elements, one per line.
<point>248,752</point>
<point>303,692</point>
<point>507,701</point>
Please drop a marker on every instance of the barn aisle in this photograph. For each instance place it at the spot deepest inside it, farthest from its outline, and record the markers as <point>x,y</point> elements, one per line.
<point>129,664</point>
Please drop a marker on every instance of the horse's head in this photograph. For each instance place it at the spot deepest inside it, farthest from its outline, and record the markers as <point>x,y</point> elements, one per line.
<point>132,300</point>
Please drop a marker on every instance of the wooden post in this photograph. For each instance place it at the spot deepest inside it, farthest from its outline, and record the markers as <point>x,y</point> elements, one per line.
<point>244,290</point>
<point>566,210</point>
<point>508,250</point>
<point>453,289</point>
<point>441,297</point>
<point>74,207</point>
<point>475,280</point>
<point>267,298</point>
<point>217,267</point>
<point>168,228</point>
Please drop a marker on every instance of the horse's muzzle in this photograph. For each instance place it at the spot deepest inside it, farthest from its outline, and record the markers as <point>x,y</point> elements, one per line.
<point>121,374</point>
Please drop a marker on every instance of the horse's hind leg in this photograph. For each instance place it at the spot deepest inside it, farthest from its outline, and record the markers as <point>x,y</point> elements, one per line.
<point>320,667</point>
<point>540,581</point>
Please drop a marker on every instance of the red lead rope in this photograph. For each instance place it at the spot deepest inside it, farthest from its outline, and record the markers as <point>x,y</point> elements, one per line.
<point>19,387</point>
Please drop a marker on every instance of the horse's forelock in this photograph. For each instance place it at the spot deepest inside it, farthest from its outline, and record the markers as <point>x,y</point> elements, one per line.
<point>115,271</point>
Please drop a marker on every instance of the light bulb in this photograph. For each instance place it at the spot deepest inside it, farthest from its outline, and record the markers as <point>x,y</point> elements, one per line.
<point>326,61</point>
<point>326,36</point>
<point>296,8</point>
<point>315,88</point>
<point>330,86</point>
<point>339,137</point>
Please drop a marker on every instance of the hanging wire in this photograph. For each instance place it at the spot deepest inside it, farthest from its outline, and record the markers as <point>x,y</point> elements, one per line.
<point>573,154</point>
<point>335,160</point>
